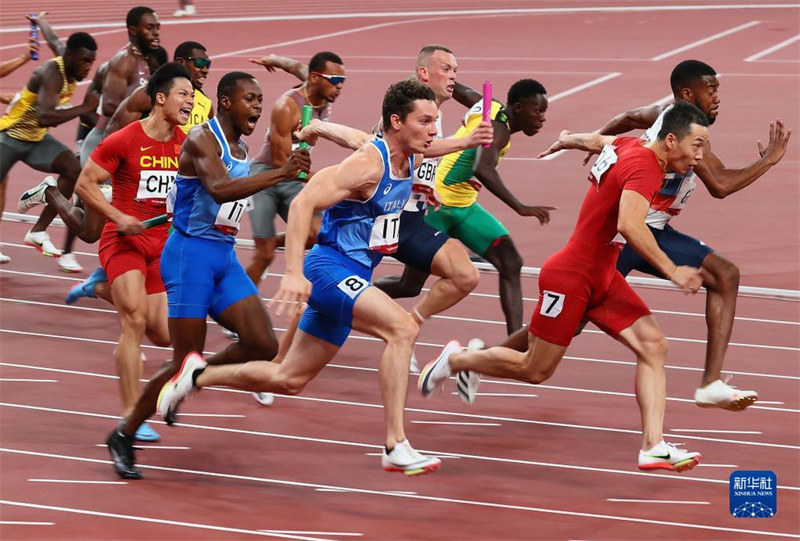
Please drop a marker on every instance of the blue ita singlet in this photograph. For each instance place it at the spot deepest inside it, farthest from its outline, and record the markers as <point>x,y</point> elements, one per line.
<point>195,212</point>
<point>365,231</point>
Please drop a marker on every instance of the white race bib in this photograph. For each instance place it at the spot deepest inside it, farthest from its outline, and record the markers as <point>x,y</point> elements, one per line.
<point>154,185</point>
<point>229,216</point>
<point>385,233</point>
<point>552,303</point>
<point>604,161</point>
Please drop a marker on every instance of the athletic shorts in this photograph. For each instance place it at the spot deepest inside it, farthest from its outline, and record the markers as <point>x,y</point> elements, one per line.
<point>566,297</point>
<point>39,155</point>
<point>472,225</point>
<point>270,202</point>
<point>336,283</point>
<point>90,142</point>
<point>681,249</point>
<point>202,277</point>
<point>142,252</point>
<point>418,241</point>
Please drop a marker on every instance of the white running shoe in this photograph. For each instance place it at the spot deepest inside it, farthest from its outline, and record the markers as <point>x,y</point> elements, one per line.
<point>666,456</point>
<point>35,196</point>
<point>467,381</point>
<point>413,367</point>
<point>265,399</point>
<point>180,385</point>
<point>719,394</point>
<point>437,371</point>
<point>69,263</point>
<point>406,459</point>
<point>4,259</point>
<point>188,11</point>
<point>41,241</point>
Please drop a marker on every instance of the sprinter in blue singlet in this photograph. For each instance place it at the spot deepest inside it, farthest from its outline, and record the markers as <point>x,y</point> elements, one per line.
<point>364,195</point>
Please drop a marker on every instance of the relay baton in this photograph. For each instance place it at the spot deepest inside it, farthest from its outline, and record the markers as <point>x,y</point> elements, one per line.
<point>152,222</point>
<point>34,34</point>
<point>487,104</point>
<point>308,111</point>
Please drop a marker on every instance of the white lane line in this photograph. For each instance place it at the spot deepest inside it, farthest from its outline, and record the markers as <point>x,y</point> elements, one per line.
<point>78,482</point>
<point>22,380</point>
<point>451,318</point>
<point>681,502</point>
<point>461,455</point>
<point>771,402</point>
<point>136,518</point>
<point>510,395</point>
<point>584,86</point>
<point>227,415</point>
<point>369,369</point>
<point>707,465</point>
<point>703,41</point>
<point>24,523</point>
<point>163,447</point>
<point>455,423</point>
<point>772,49</point>
<point>413,13</point>
<point>708,431</point>
<point>473,503</point>
<point>328,534</point>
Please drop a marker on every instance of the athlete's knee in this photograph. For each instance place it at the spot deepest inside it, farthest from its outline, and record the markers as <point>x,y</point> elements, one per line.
<point>404,329</point>
<point>159,337</point>
<point>727,274</point>
<point>654,348</point>
<point>508,260</point>
<point>134,321</point>
<point>466,279</point>
<point>261,346</point>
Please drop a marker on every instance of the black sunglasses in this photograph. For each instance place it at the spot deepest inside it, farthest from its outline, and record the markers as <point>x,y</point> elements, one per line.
<point>199,63</point>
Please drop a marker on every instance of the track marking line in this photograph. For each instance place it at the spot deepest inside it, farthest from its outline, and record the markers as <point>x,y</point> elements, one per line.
<point>709,431</point>
<point>438,499</point>
<point>78,482</point>
<point>772,49</point>
<point>445,454</point>
<point>24,523</point>
<point>703,41</point>
<point>455,423</point>
<point>21,380</point>
<point>683,502</point>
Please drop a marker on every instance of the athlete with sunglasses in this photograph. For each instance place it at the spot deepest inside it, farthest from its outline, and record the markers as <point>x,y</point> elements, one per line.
<point>325,77</point>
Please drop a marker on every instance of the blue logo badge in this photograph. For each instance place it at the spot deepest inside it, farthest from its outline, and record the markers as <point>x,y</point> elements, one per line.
<point>754,494</point>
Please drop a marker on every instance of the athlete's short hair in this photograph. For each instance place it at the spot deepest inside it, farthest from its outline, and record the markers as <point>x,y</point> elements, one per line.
<point>160,55</point>
<point>524,89</point>
<point>687,73</point>
<point>317,62</point>
<point>425,54</point>
<point>679,118</point>
<point>163,79</point>
<point>135,15</point>
<point>184,50</point>
<point>228,82</point>
<point>81,40</point>
<point>400,97</point>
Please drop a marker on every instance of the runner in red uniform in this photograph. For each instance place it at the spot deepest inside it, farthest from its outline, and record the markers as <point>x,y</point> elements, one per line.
<point>581,280</point>
<point>142,160</point>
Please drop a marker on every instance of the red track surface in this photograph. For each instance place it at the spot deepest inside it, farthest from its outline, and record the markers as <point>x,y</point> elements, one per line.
<point>542,466</point>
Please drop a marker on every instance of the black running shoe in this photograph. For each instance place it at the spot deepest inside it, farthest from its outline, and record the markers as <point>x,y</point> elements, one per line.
<point>122,455</point>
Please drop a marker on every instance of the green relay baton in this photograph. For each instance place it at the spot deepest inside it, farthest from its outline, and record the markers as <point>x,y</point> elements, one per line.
<point>308,112</point>
<point>152,222</point>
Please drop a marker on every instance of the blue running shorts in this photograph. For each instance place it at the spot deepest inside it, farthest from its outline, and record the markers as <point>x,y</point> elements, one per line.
<point>336,283</point>
<point>681,249</point>
<point>418,242</point>
<point>202,276</point>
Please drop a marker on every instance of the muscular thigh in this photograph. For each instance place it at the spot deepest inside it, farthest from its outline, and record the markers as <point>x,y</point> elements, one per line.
<point>564,297</point>
<point>619,308</point>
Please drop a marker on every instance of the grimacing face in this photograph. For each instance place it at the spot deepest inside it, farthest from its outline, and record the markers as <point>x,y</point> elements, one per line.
<point>178,103</point>
<point>440,74</point>
<point>246,105</point>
